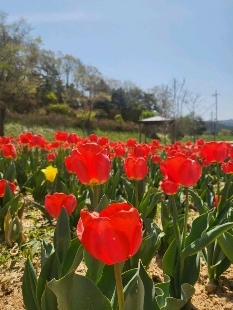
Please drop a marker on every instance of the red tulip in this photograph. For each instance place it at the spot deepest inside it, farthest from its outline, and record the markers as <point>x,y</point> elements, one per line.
<point>205,162</point>
<point>38,141</point>
<point>51,156</point>
<point>131,143</point>
<point>181,170</point>
<point>55,202</point>
<point>231,152</point>
<point>217,199</point>
<point>90,162</point>
<point>119,149</point>
<point>25,138</point>
<point>9,150</point>
<point>135,168</point>
<point>155,158</point>
<point>113,235</point>
<point>3,187</point>
<point>73,138</point>
<point>169,187</point>
<point>215,151</point>
<point>93,137</point>
<point>141,150</point>
<point>61,136</point>
<point>227,167</point>
<point>102,141</point>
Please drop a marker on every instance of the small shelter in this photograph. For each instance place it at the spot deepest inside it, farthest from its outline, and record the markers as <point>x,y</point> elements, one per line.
<point>157,120</point>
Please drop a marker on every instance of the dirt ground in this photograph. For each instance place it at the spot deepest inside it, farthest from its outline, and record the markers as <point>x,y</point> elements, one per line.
<point>221,298</point>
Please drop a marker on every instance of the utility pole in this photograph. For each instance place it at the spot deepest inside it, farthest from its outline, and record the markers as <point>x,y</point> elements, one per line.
<point>211,123</point>
<point>216,115</point>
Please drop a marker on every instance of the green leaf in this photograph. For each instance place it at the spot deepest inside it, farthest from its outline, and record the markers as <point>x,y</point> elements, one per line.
<point>221,215</point>
<point>102,204</point>
<point>162,291</point>
<point>205,239</point>
<point>21,175</point>
<point>225,195</point>
<point>222,267</point>
<point>165,302</point>
<point>76,292</point>
<point>129,188</point>
<point>10,173</point>
<point>143,204</point>
<point>135,295</point>
<point>62,235</point>
<point>114,184</point>
<point>48,300</point>
<point>62,186</point>
<point>29,287</point>
<point>170,259</point>
<point>191,269</point>
<point>94,267</point>
<point>73,257</point>
<point>107,283</point>
<point>149,297</point>
<point>141,188</point>
<point>46,250</point>
<point>8,195</point>
<point>43,210</point>
<point>198,226</point>
<point>150,244</point>
<point>225,240</point>
<point>218,255</point>
<point>198,202</point>
<point>153,203</point>
<point>51,270</point>
<point>15,205</point>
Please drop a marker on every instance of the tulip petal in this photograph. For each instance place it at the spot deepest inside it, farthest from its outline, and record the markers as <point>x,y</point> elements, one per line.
<point>105,242</point>
<point>130,223</point>
<point>189,172</point>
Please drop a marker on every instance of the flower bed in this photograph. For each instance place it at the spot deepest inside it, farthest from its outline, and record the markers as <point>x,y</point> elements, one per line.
<point>113,207</point>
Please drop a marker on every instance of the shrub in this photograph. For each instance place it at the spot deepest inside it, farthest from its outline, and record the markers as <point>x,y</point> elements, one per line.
<point>224,132</point>
<point>61,109</point>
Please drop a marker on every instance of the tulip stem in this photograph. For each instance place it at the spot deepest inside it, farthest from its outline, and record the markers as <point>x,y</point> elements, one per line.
<point>119,286</point>
<point>136,194</point>
<point>96,196</point>
<point>185,218</point>
<point>175,222</point>
<point>218,186</point>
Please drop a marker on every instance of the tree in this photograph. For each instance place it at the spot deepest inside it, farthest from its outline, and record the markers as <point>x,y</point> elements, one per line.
<point>49,69</point>
<point>18,58</point>
<point>194,125</point>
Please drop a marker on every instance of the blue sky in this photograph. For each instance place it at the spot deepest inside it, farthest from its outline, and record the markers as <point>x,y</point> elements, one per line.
<point>149,42</point>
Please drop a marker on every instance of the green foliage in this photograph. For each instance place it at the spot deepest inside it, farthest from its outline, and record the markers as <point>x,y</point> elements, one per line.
<point>224,132</point>
<point>83,115</point>
<point>146,114</point>
<point>118,118</point>
<point>51,97</point>
<point>61,109</point>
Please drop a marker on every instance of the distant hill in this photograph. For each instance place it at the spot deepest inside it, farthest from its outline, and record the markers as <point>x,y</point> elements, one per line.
<point>228,122</point>
<point>221,124</point>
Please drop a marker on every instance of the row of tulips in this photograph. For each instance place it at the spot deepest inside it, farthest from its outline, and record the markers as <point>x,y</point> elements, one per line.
<point>110,192</point>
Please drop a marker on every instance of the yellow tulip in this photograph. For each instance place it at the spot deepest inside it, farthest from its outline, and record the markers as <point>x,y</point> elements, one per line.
<point>50,173</point>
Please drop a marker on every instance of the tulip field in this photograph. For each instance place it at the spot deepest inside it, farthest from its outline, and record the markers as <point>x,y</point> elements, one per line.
<point>111,208</point>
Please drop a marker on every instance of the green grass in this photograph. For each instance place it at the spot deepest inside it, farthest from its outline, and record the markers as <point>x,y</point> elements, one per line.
<point>208,138</point>
<point>15,128</point>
